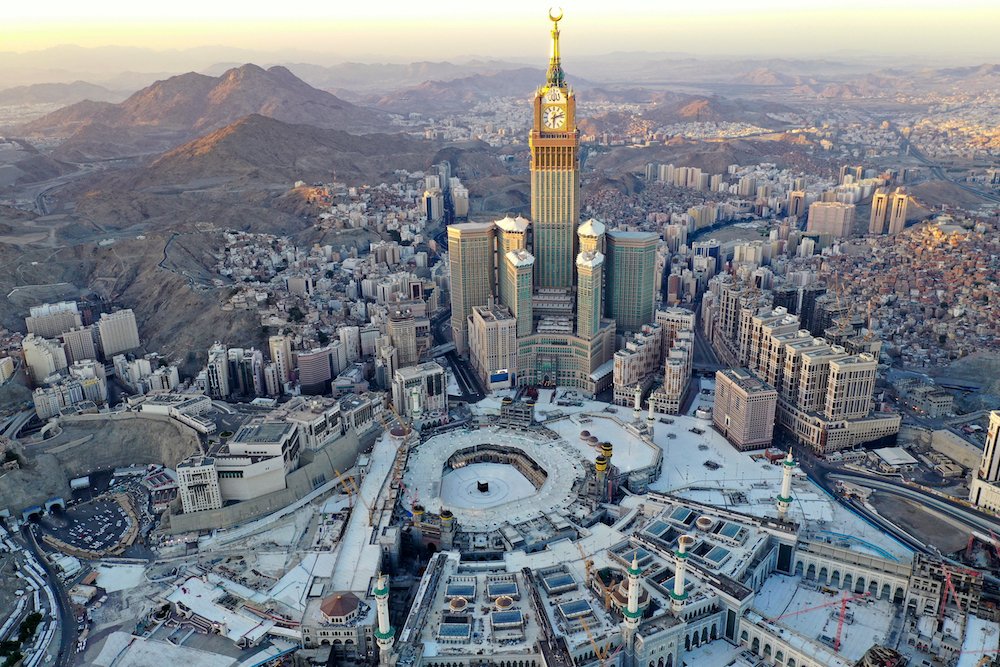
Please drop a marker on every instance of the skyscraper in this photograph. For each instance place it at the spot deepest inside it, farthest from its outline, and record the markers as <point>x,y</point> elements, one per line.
<point>631,276</point>
<point>515,288</point>
<point>280,348</point>
<point>796,203</point>
<point>561,336</point>
<point>470,249</point>
<point>880,206</point>
<point>985,488</point>
<point>897,211</point>
<point>555,176</point>
<point>590,279</point>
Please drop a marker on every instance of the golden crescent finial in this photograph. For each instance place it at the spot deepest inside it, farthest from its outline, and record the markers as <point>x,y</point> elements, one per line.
<point>555,19</point>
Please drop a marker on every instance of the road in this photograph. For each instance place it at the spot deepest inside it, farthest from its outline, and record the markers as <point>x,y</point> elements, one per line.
<point>64,613</point>
<point>938,171</point>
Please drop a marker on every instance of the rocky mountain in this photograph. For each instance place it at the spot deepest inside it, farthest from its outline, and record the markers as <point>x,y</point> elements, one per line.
<point>177,109</point>
<point>58,93</point>
<point>266,150</point>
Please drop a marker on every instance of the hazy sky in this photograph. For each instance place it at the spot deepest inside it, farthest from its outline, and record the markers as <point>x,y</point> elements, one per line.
<point>396,30</point>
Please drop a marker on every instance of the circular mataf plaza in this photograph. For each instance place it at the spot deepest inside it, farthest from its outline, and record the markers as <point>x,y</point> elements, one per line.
<point>498,475</point>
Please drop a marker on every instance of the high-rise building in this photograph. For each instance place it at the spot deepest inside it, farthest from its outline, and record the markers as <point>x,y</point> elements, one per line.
<point>218,371</point>
<point>280,348</point>
<point>43,357</point>
<point>555,176</point>
<point>880,208</point>
<point>470,252</point>
<point>850,387</point>
<point>434,204</point>
<point>512,236</point>
<point>744,408</point>
<point>631,267</point>
<point>516,288</point>
<point>79,344</point>
<point>552,351</point>
<point>118,332</point>
<point>316,370</point>
<point>51,320</point>
<point>6,369</point>
<point>402,328</point>
<point>493,333</point>
<point>897,211</point>
<point>460,201</point>
<point>350,338</point>
<point>796,203</point>
<point>833,218</point>
<point>984,491</point>
<point>590,283</point>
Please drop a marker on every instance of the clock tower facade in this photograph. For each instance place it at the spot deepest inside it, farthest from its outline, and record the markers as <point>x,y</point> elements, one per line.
<point>555,176</point>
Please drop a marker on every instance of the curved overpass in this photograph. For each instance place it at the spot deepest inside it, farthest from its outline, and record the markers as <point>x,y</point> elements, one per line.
<point>970,518</point>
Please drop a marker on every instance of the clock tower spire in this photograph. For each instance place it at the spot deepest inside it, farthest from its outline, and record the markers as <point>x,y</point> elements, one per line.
<point>555,73</point>
<point>555,178</point>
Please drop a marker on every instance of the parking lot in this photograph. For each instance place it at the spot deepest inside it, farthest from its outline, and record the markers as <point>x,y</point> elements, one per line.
<point>97,525</point>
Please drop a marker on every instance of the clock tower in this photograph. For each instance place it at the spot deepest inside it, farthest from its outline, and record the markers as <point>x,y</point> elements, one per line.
<point>555,175</point>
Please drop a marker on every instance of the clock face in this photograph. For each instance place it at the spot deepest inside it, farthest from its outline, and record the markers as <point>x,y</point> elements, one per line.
<point>554,117</point>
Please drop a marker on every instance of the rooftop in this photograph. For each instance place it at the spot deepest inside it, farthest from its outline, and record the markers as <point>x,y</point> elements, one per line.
<point>264,432</point>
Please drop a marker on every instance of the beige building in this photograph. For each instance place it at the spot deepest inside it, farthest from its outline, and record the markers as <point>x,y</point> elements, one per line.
<point>880,209</point>
<point>6,369</point>
<point>470,252</point>
<point>50,320</point>
<point>421,392</point>
<point>402,328</point>
<point>744,409</point>
<point>833,218</point>
<point>637,363</point>
<point>493,333</point>
<point>43,357</point>
<point>198,484</point>
<point>985,488</point>
<point>118,332</point>
<point>79,344</point>
<point>280,348</point>
<point>897,210</point>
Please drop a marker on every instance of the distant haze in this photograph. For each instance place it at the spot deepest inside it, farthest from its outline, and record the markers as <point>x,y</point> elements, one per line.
<point>327,32</point>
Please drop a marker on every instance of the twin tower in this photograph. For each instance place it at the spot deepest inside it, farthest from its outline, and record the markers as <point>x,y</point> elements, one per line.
<point>563,288</point>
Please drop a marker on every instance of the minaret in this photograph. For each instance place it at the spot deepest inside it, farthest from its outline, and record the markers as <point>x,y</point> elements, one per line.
<point>637,409</point>
<point>384,632</point>
<point>650,417</point>
<point>785,498</point>
<point>679,594</point>
<point>631,613</point>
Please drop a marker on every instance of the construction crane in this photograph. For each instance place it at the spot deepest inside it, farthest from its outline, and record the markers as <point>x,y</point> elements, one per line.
<point>346,487</point>
<point>832,603</point>
<point>600,652</point>
<point>357,492</point>
<point>587,563</point>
